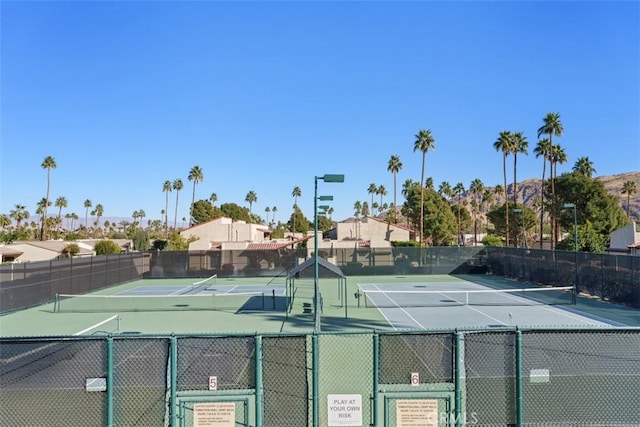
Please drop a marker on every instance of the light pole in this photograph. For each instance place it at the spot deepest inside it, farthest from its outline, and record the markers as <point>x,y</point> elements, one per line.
<point>316,292</point>
<point>575,245</point>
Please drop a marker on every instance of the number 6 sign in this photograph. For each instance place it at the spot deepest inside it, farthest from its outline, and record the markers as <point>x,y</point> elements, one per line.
<point>415,379</point>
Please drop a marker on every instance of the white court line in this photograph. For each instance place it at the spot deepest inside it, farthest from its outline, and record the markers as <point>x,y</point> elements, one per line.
<point>230,290</point>
<point>396,304</point>
<point>97,324</point>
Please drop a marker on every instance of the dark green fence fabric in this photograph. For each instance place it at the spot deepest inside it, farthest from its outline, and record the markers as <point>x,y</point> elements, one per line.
<point>510,377</point>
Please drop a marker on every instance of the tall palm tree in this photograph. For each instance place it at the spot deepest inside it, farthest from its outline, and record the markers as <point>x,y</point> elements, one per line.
<point>373,189</point>
<point>382,191</point>
<point>458,191</point>
<point>251,198</point>
<point>584,166</point>
<point>423,143</point>
<point>267,210</point>
<point>213,199</point>
<point>48,163</point>
<point>274,210</point>
<point>445,190</point>
<point>428,183</point>
<point>498,190</point>
<point>543,148</point>
<point>99,213</point>
<point>5,221</point>
<point>476,188</point>
<point>196,175</point>
<point>87,205</point>
<point>177,186</point>
<point>520,145</point>
<point>61,202</point>
<point>166,189</point>
<point>295,193</point>
<point>551,125</point>
<point>394,166</point>
<point>558,156</point>
<point>629,188</point>
<point>19,213</point>
<point>504,143</point>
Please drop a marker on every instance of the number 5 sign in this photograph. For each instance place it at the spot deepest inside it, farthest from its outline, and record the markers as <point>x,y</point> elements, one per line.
<point>213,383</point>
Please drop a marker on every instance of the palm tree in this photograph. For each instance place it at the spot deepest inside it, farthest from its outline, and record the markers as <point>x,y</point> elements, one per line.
<point>177,186</point>
<point>213,199</point>
<point>394,166</point>
<point>428,183</point>
<point>558,156</point>
<point>551,125</point>
<point>87,205</point>
<point>458,191</point>
<point>373,189</point>
<point>382,191</point>
<point>251,198</point>
<point>19,213</point>
<point>61,202</point>
<point>99,213</point>
<point>498,190</point>
<point>364,211</point>
<point>520,145</point>
<point>274,210</point>
<point>629,188</point>
<point>195,175</point>
<point>423,143</point>
<point>295,193</point>
<point>476,188</point>
<point>584,166</point>
<point>504,144</point>
<point>330,211</point>
<point>543,148</point>
<point>445,190</point>
<point>166,189</point>
<point>5,221</point>
<point>267,210</point>
<point>48,164</point>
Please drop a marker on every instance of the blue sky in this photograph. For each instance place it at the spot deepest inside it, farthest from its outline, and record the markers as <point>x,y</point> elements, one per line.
<point>263,96</point>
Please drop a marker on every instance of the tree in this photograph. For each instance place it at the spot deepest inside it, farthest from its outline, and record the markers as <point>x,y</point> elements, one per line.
<point>504,144</point>
<point>543,148</point>
<point>439,221</point>
<point>458,191</point>
<point>177,186</point>
<point>302,224</point>
<point>235,212</point>
<point>423,143</point>
<point>629,188</point>
<point>445,190</point>
<point>295,193</point>
<point>551,125</point>
<point>558,156</point>
<point>382,191</point>
<point>497,218</point>
<point>394,166</point>
<point>274,210</point>
<point>584,166</point>
<point>267,210</point>
<point>476,188</point>
<point>19,213</point>
<point>592,203</point>
<point>61,202</point>
<point>87,205</point>
<point>520,145</point>
<point>166,189</point>
<point>71,250</point>
<point>589,240</point>
<point>141,240</point>
<point>99,213</point>
<point>373,189</point>
<point>106,247</point>
<point>48,164</point>
<point>196,175</point>
<point>251,198</point>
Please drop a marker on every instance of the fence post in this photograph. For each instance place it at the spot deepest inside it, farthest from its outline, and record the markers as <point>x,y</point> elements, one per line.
<point>458,376</point>
<point>376,385</point>
<point>258,385</point>
<point>173,366</point>
<point>518,377</point>
<point>110,381</point>
<point>314,376</point>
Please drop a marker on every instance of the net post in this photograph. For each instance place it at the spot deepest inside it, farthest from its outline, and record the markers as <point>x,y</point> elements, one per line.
<point>56,303</point>
<point>273,299</point>
<point>263,304</point>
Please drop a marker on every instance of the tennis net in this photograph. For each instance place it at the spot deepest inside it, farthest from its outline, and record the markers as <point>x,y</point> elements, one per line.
<point>119,303</point>
<point>477,297</point>
<point>201,285</point>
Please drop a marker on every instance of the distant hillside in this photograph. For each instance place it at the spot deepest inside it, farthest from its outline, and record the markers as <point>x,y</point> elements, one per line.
<point>529,190</point>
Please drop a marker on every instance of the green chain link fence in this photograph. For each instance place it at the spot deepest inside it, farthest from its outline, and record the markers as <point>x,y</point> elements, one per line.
<point>506,377</point>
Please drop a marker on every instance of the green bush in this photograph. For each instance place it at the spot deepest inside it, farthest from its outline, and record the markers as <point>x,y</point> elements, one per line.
<point>492,241</point>
<point>105,247</point>
<point>71,250</point>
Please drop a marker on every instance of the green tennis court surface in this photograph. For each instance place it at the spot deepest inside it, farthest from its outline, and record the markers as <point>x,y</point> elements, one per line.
<point>160,306</point>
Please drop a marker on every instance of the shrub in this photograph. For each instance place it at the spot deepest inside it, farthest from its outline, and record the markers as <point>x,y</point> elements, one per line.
<point>104,247</point>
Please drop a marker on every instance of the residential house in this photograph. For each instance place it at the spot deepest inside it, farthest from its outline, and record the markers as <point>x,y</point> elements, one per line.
<point>625,239</point>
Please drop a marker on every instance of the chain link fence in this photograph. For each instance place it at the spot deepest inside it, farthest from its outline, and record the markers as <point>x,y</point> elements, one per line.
<point>511,377</point>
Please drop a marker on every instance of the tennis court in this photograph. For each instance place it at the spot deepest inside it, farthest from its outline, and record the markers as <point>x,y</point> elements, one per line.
<point>241,304</point>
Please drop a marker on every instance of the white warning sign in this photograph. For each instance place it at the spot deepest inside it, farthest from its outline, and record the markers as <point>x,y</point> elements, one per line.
<point>344,410</point>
